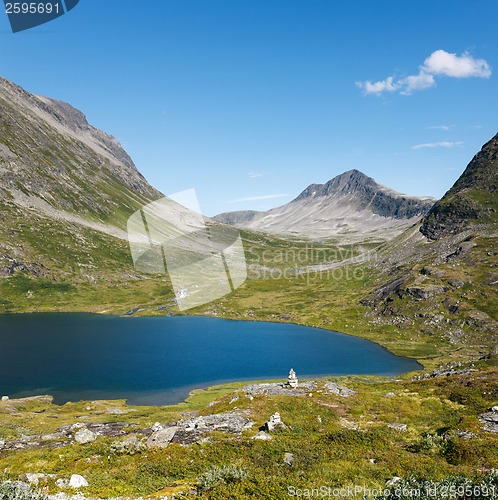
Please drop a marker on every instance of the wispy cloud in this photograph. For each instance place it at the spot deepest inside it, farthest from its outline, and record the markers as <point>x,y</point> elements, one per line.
<point>255,175</point>
<point>439,127</point>
<point>440,144</point>
<point>439,63</point>
<point>257,198</point>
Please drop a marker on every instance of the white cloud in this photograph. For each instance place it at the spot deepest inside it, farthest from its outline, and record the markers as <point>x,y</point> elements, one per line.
<point>440,144</point>
<point>443,63</point>
<point>439,63</point>
<point>439,127</point>
<point>386,85</point>
<point>421,81</point>
<point>257,198</point>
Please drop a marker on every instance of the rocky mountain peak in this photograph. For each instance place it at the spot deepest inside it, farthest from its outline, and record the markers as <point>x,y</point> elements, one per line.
<point>351,205</point>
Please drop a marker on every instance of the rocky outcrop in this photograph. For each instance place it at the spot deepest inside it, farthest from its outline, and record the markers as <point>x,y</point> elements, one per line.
<point>162,438</point>
<point>276,389</point>
<point>472,200</point>
<point>490,421</point>
<point>340,390</point>
<point>194,429</point>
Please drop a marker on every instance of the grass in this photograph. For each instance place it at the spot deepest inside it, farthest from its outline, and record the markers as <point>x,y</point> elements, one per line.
<point>335,441</point>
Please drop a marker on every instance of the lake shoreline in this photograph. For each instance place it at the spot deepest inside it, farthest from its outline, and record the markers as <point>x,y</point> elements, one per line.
<point>324,353</point>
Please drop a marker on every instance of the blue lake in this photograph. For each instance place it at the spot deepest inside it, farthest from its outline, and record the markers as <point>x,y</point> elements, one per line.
<point>159,360</point>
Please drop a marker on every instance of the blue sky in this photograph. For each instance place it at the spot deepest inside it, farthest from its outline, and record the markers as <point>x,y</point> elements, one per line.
<point>250,101</point>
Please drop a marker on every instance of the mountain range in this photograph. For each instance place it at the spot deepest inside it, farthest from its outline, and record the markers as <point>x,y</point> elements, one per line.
<point>68,189</point>
<point>351,207</point>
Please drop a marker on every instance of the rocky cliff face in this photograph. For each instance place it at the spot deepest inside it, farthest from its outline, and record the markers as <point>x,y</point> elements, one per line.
<point>351,206</point>
<point>472,200</point>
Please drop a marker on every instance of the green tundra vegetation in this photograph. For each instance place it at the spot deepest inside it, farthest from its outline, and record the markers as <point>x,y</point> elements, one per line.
<point>335,441</point>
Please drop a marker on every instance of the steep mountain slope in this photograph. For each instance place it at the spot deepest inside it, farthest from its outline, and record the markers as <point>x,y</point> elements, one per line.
<point>472,200</point>
<point>351,206</point>
<point>441,277</point>
<point>66,192</point>
<point>51,158</point>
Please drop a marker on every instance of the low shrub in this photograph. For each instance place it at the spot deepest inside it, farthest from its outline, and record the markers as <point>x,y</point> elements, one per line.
<point>11,490</point>
<point>225,474</point>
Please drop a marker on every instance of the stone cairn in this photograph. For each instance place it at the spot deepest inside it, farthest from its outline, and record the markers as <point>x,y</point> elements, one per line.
<point>292,380</point>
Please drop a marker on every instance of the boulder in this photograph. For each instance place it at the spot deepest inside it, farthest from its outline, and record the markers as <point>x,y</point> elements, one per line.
<point>157,427</point>
<point>85,436</point>
<point>340,390</point>
<point>393,481</point>
<point>263,436</point>
<point>161,438</point>
<point>78,481</point>
<point>490,421</point>
<point>62,483</point>
<point>34,478</point>
<point>5,398</point>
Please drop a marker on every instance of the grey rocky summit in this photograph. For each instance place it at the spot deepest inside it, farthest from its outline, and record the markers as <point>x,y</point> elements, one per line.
<point>352,206</point>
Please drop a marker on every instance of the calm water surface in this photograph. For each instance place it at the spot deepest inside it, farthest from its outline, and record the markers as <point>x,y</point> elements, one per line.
<point>159,360</point>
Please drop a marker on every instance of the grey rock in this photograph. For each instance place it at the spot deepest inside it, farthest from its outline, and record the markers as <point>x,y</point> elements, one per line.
<point>5,398</point>
<point>490,421</point>
<point>193,429</point>
<point>424,292</point>
<point>288,458</point>
<point>157,427</point>
<point>389,395</point>
<point>464,434</point>
<point>397,427</point>
<point>85,436</point>
<point>78,481</point>
<point>34,478</point>
<point>277,389</point>
<point>62,483</point>
<point>115,411</point>
<point>111,429</point>
<point>340,390</point>
<point>263,436</point>
<point>161,438</point>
